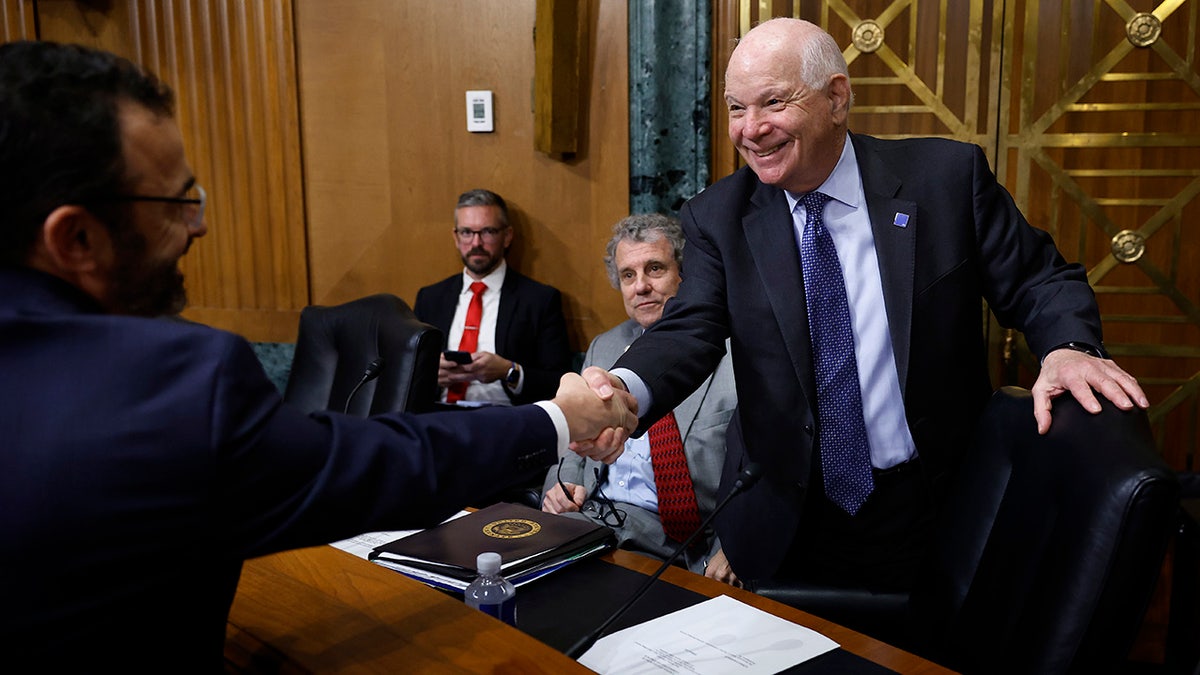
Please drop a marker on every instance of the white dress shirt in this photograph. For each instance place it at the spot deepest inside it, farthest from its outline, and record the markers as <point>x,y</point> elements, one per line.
<point>477,391</point>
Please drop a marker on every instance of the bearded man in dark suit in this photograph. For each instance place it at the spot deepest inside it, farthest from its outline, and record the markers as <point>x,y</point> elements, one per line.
<point>519,348</point>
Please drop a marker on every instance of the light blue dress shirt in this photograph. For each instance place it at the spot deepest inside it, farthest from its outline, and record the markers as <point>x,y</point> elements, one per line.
<point>848,221</point>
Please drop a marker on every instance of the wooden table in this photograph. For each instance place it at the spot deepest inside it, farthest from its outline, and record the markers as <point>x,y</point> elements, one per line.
<point>323,610</point>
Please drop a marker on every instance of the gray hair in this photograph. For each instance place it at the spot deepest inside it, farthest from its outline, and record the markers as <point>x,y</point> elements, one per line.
<point>481,197</point>
<point>643,227</point>
<point>820,59</point>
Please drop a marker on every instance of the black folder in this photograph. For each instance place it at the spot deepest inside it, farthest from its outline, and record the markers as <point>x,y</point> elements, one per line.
<point>531,544</point>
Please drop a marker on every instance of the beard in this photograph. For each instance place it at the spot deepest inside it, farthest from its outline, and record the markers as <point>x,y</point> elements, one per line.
<point>142,287</point>
<point>481,266</point>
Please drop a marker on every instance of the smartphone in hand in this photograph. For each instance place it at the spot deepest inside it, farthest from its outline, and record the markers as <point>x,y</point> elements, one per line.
<point>461,358</point>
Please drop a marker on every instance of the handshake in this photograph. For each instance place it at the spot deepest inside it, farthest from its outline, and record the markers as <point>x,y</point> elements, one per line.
<point>600,413</point>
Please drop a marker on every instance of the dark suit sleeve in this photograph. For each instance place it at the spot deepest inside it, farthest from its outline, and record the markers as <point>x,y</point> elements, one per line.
<point>545,351</point>
<point>1027,283</point>
<point>676,355</point>
<point>286,480</point>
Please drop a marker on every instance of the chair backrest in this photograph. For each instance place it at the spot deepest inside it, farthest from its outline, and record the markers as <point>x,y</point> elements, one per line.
<point>336,344</point>
<point>1052,544</point>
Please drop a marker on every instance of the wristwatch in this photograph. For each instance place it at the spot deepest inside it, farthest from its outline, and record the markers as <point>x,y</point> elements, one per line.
<point>514,376</point>
<point>1092,350</point>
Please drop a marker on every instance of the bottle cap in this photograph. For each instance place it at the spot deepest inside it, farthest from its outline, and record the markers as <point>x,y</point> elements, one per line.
<point>488,563</point>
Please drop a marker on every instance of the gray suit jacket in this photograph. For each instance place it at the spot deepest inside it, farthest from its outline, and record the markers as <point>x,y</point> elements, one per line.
<point>702,418</point>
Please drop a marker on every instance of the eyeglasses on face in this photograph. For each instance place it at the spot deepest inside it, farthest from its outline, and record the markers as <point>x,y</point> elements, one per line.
<point>192,202</point>
<point>488,234</point>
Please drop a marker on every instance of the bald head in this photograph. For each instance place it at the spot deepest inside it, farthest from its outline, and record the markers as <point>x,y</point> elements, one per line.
<point>800,45</point>
<point>788,95</point>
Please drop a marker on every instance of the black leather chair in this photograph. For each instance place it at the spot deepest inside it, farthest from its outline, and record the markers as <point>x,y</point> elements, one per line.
<point>336,345</point>
<point>1048,552</point>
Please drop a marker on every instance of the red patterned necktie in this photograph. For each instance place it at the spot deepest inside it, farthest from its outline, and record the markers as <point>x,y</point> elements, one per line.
<point>676,497</point>
<point>470,337</point>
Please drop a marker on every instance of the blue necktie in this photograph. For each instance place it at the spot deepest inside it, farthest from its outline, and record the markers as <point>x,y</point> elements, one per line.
<point>841,432</point>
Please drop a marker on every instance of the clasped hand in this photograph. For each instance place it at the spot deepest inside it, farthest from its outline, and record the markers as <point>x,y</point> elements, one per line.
<point>599,422</point>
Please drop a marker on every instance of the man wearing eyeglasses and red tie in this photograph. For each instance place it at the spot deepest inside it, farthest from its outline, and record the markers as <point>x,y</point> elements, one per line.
<point>506,338</point>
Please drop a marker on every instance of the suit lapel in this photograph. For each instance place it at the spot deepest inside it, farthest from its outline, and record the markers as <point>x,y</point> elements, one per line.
<point>895,248</point>
<point>769,231</point>
<point>446,306</point>
<point>507,308</point>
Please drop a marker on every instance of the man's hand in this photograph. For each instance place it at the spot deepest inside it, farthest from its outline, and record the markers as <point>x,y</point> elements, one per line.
<point>1066,370</point>
<point>608,445</point>
<point>718,568</point>
<point>484,367</point>
<point>590,416</point>
<point>557,501</point>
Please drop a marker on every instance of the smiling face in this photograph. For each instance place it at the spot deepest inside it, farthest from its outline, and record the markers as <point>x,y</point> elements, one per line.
<point>648,276</point>
<point>789,133</point>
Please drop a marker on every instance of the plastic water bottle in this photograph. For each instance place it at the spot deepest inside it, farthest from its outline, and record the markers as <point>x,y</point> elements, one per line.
<point>490,592</point>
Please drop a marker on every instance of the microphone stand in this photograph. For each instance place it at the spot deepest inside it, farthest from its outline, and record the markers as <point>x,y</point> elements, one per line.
<point>374,368</point>
<point>748,477</point>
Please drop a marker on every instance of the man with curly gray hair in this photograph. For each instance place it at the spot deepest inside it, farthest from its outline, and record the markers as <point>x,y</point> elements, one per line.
<point>664,484</point>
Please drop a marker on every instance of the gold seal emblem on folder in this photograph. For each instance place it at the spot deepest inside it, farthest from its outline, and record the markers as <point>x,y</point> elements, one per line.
<point>511,528</point>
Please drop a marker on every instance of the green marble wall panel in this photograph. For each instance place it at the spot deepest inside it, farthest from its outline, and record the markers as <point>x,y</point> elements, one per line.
<point>669,139</point>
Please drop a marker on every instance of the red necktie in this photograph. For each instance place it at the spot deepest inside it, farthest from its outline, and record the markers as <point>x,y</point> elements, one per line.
<point>676,497</point>
<point>470,337</point>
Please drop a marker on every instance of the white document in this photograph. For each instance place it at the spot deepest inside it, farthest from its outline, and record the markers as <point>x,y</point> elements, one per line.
<point>363,544</point>
<point>717,636</point>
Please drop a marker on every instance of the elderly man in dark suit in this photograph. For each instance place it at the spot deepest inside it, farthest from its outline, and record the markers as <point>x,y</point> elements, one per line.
<point>651,508</point>
<point>511,326</point>
<point>848,272</point>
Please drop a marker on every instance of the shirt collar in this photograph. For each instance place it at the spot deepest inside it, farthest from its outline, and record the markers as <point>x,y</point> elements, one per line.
<point>842,183</point>
<point>494,279</point>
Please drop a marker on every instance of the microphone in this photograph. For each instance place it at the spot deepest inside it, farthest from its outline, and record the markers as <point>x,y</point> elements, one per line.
<point>747,478</point>
<point>373,370</point>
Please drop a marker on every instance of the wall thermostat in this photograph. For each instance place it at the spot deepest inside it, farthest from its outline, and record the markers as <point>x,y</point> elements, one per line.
<point>479,111</point>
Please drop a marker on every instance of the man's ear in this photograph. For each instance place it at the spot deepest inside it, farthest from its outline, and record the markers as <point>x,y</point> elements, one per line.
<point>74,241</point>
<point>839,98</point>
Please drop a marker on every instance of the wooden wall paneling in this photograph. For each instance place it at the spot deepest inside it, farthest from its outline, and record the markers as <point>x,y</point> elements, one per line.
<point>232,67</point>
<point>560,33</point>
<point>387,151</point>
<point>599,306</point>
<point>18,20</point>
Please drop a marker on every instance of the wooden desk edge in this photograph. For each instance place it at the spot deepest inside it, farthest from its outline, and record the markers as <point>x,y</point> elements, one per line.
<point>312,610</point>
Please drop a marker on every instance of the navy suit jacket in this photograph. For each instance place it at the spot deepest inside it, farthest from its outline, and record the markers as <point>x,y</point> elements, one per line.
<point>964,240</point>
<point>530,328</point>
<point>141,460</point>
